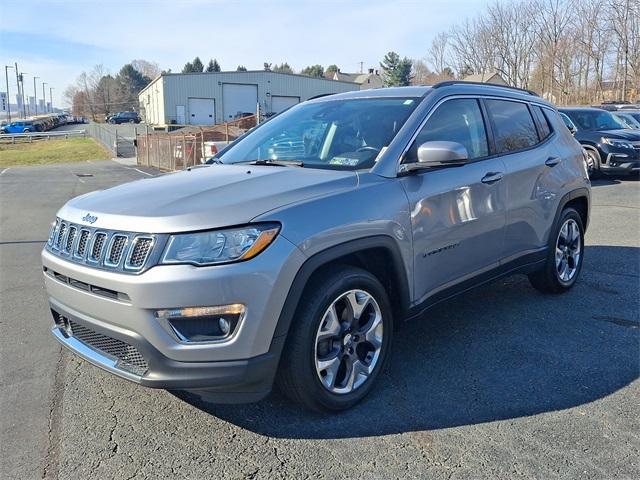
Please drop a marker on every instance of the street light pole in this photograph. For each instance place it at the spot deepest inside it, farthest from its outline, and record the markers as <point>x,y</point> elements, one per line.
<point>6,78</point>
<point>35,95</point>
<point>24,104</point>
<point>44,98</point>
<point>51,97</point>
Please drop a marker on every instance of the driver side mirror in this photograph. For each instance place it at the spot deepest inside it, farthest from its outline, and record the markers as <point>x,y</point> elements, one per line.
<point>439,154</point>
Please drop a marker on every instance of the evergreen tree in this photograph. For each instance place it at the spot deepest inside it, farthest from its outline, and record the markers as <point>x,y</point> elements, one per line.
<point>313,71</point>
<point>283,68</point>
<point>197,65</point>
<point>241,68</point>
<point>213,66</point>
<point>331,69</point>
<point>396,72</point>
<point>188,68</point>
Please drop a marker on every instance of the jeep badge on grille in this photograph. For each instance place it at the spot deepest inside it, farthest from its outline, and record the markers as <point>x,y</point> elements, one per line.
<point>89,218</point>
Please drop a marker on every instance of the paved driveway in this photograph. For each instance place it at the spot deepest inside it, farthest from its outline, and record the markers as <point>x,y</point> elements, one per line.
<point>502,382</point>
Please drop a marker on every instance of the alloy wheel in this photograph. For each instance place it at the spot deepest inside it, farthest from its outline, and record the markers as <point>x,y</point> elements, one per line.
<point>348,342</point>
<point>568,250</point>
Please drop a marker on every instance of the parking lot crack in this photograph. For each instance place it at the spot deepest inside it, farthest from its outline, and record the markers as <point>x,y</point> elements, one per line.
<point>55,417</point>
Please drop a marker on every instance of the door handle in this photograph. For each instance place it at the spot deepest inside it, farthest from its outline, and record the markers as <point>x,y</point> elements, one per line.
<point>492,177</point>
<point>552,161</point>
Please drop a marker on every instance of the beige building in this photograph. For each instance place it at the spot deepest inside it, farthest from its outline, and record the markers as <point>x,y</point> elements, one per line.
<point>489,77</point>
<point>371,79</point>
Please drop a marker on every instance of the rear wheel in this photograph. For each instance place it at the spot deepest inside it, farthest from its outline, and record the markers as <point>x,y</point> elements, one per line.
<point>566,251</point>
<point>339,340</point>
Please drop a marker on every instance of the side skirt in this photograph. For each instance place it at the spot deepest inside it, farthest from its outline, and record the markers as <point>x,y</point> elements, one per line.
<point>526,264</point>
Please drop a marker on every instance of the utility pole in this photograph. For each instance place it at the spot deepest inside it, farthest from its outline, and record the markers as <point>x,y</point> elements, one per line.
<point>24,104</point>
<point>19,97</point>
<point>6,78</point>
<point>35,95</point>
<point>361,66</point>
<point>44,97</point>
<point>51,97</point>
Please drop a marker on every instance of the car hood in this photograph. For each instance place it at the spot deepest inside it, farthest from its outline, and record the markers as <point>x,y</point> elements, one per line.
<point>201,198</point>
<point>622,134</point>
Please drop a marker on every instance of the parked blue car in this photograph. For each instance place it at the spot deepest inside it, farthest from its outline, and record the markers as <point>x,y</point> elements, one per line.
<point>22,126</point>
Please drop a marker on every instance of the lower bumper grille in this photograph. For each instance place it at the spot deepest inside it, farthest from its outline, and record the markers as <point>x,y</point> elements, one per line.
<point>128,357</point>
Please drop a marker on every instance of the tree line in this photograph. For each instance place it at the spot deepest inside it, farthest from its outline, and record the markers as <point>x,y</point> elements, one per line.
<point>97,93</point>
<point>570,51</point>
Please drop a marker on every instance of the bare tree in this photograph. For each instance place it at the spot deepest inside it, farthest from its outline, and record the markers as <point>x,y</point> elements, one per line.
<point>146,68</point>
<point>438,53</point>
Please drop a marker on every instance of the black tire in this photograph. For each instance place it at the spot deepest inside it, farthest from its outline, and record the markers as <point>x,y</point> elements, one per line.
<point>26,130</point>
<point>597,161</point>
<point>548,279</point>
<point>297,376</point>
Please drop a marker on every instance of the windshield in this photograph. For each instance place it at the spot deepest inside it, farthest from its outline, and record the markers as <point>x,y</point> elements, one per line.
<point>628,119</point>
<point>338,134</point>
<point>595,120</point>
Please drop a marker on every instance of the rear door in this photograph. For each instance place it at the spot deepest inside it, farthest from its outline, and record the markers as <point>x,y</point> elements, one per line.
<point>457,213</point>
<point>534,173</point>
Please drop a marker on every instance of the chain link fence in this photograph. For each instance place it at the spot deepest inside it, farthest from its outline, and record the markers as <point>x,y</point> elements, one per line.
<point>188,146</point>
<point>118,139</point>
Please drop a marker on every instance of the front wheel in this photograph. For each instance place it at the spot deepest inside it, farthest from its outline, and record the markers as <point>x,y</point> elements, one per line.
<point>339,340</point>
<point>565,257</point>
<point>593,163</point>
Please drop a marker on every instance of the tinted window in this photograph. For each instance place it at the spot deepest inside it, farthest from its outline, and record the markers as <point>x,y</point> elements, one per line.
<point>459,121</point>
<point>544,129</point>
<point>594,119</point>
<point>513,125</point>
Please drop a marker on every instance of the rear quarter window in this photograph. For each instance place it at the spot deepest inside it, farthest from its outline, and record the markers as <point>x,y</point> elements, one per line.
<point>544,127</point>
<point>513,125</point>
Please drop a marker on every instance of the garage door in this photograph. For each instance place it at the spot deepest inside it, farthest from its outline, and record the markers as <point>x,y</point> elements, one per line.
<point>238,98</point>
<point>202,111</point>
<point>280,103</point>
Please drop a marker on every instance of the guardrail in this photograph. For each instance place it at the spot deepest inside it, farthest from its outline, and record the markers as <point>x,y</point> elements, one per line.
<point>29,137</point>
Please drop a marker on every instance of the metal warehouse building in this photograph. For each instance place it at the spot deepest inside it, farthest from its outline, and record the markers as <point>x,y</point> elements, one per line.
<point>218,97</point>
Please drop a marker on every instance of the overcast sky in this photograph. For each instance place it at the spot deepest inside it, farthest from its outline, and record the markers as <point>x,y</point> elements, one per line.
<point>56,40</point>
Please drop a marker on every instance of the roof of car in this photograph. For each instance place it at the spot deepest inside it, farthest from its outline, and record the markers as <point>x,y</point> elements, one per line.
<point>457,87</point>
<point>582,109</point>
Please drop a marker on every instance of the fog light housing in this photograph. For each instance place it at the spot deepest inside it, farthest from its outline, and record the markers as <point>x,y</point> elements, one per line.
<point>203,324</point>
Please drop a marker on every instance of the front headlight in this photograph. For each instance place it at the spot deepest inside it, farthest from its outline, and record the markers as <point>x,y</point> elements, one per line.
<point>219,246</point>
<point>616,143</point>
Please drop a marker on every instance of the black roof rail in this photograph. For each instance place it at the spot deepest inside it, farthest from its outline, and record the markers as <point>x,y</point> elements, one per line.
<point>320,96</point>
<point>462,82</point>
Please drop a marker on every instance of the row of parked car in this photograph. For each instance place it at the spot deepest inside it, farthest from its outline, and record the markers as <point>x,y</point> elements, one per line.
<point>610,137</point>
<point>42,123</point>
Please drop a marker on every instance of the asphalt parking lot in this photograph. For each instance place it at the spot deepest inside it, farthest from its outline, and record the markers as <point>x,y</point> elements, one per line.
<point>503,382</point>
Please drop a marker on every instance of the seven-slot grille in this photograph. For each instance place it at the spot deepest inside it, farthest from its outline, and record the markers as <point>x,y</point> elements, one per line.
<point>114,250</point>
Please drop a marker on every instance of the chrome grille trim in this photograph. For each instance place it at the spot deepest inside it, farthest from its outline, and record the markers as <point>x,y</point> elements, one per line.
<point>71,236</point>
<point>116,249</point>
<point>83,241</point>
<point>141,247</point>
<point>97,246</point>
<point>62,230</point>
<point>125,252</point>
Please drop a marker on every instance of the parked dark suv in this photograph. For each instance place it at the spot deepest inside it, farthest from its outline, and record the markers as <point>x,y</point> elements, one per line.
<point>294,264</point>
<point>124,117</point>
<point>611,146</point>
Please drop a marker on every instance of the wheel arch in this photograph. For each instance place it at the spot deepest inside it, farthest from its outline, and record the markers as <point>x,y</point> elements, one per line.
<point>379,255</point>
<point>580,200</point>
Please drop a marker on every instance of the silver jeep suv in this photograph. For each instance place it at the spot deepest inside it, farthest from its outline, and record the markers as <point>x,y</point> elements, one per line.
<point>265,266</point>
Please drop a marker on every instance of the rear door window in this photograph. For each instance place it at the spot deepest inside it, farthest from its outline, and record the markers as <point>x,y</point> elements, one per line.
<point>458,120</point>
<point>513,126</point>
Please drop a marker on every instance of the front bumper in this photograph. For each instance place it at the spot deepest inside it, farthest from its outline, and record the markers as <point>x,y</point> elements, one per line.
<point>229,381</point>
<point>619,162</point>
<point>121,307</point>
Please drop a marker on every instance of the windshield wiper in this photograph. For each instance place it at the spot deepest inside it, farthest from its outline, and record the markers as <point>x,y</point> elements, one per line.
<point>279,163</point>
